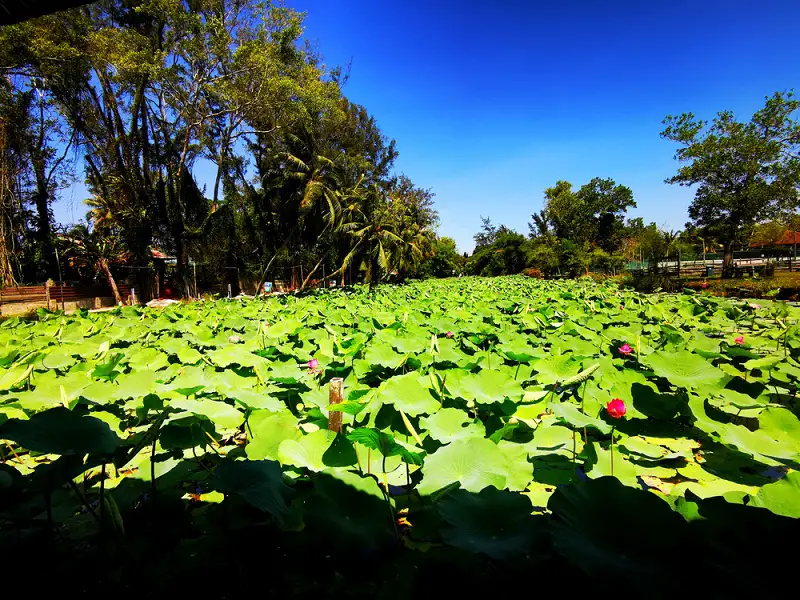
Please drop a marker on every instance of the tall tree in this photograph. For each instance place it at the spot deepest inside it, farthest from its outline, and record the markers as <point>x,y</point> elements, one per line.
<point>487,234</point>
<point>149,88</point>
<point>745,171</point>
<point>594,214</point>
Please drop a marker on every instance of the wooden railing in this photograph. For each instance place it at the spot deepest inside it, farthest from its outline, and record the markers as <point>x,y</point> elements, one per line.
<point>57,293</point>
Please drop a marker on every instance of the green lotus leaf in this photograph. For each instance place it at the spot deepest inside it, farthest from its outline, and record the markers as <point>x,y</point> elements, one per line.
<point>288,372</point>
<point>384,355</point>
<point>59,358</point>
<point>254,399</point>
<point>259,482</point>
<point>149,359</point>
<point>235,354</point>
<point>485,387</point>
<point>101,392</point>
<point>130,385</point>
<point>451,424</point>
<point>349,511</point>
<point>269,430</point>
<point>384,443</point>
<point>307,451</point>
<point>647,399</point>
<point>449,352</point>
<point>223,415</point>
<point>684,369</point>
<point>51,391</point>
<point>408,345</point>
<point>10,378</point>
<point>572,414</point>
<point>189,356</point>
<point>551,438</point>
<point>555,369</point>
<point>518,350</point>
<point>283,329</point>
<point>643,539</point>
<point>11,412</point>
<point>492,522</point>
<point>410,393</point>
<point>638,446</point>
<point>61,431</point>
<point>781,497</point>
<point>473,463</point>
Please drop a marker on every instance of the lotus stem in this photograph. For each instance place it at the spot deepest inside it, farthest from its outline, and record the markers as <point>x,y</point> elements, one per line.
<point>153,456</point>
<point>10,447</point>
<point>85,502</point>
<point>48,505</point>
<point>102,497</point>
<point>612,450</point>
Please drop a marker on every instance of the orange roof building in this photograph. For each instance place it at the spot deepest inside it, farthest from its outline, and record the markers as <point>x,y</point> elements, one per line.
<point>788,239</point>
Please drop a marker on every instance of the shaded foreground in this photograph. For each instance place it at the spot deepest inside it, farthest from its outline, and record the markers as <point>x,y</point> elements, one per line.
<point>187,450</point>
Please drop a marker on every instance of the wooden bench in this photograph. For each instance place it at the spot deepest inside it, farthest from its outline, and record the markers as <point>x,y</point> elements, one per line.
<point>741,270</point>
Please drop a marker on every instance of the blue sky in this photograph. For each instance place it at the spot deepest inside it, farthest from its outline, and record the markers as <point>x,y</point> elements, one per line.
<point>490,103</point>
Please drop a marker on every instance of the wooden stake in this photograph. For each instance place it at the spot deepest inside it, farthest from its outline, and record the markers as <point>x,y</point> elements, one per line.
<point>335,397</point>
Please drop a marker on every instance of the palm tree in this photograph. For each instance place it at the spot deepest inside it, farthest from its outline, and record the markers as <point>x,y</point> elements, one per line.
<point>372,226</point>
<point>96,251</point>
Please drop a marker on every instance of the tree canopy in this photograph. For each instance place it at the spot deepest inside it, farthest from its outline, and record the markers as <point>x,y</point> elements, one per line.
<point>744,171</point>
<point>144,94</point>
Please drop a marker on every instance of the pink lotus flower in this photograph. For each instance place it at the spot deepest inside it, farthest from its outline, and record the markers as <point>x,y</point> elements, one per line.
<point>739,340</point>
<point>622,307</point>
<point>616,408</point>
<point>704,285</point>
<point>448,335</point>
<point>313,365</point>
<point>234,339</point>
<point>754,306</point>
<point>625,349</point>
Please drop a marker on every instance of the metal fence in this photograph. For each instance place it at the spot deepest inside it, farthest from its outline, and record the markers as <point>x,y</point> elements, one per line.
<point>742,264</point>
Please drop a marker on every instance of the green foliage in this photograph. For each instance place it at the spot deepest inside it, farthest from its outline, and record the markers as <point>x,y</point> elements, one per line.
<point>254,98</point>
<point>745,171</point>
<point>494,442</point>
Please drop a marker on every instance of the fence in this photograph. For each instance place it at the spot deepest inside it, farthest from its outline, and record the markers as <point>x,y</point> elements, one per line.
<point>57,295</point>
<point>751,265</point>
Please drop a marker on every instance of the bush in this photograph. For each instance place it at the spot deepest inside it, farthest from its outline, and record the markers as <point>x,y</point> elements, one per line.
<point>650,282</point>
<point>530,272</point>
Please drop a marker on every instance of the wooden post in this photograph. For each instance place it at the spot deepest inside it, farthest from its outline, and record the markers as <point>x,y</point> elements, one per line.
<point>335,397</point>
<point>133,296</point>
<point>229,291</point>
<point>47,285</point>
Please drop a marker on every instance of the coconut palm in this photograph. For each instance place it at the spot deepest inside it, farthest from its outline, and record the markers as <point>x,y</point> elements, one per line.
<point>372,227</point>
<point>95,250</point>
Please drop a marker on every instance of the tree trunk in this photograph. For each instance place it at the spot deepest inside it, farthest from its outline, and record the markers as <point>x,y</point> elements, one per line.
<point>103,264</point>
<point>44,230</point>
<point>175,189</point>
<point>308,277</point>
<point>6,212</point>
<point>727,261</point>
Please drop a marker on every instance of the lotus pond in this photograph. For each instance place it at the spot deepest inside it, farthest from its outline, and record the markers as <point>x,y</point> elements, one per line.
<point>491,427</point>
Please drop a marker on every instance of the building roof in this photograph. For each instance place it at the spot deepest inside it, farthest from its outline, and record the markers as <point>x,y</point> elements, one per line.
<point>789,238</point>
